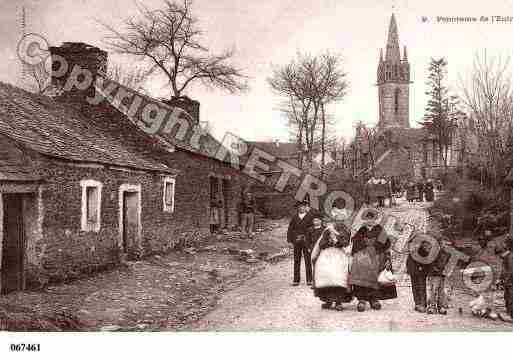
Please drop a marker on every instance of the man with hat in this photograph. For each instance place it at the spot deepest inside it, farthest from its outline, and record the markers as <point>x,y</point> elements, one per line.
<point>297,235</point>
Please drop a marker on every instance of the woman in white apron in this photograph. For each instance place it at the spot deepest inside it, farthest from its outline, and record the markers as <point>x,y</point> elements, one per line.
<point>331,261</point>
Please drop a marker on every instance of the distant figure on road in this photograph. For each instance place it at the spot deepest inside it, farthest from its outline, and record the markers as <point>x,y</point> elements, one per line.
<point>420,189</point>
<point>215,220</point>
<point>297,233</point>
<point>248,208</point>
<point>429,189</point>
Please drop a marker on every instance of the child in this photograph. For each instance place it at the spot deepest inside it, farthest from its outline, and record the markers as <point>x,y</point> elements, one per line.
<point>314,232</point>
<point>436,302</point>
<point>505,252</point>
<point>331,267</point>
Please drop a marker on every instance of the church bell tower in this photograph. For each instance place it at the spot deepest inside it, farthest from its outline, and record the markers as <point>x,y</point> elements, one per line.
<point>393,83</point>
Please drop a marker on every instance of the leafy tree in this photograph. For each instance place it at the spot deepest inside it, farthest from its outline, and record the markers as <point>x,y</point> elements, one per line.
<point>440,115</point>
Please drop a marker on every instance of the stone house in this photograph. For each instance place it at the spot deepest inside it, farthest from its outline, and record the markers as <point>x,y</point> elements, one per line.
<point>202,176</point>
<point>82,187</point>
<point>73,197</point>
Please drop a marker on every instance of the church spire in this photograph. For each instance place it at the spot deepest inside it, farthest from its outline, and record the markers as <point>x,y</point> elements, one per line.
<point>393,53</point>
<point>405,54</point>
<point>380,55</point>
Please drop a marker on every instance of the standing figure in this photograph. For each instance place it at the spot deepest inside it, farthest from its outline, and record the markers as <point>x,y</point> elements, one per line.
<point>410,192</point>
<point>248,208</point>
<point>418,269</point>
<point>331,258</point>
<point>436,299</point>
<point>297,233</point>
<point>368,261</point>
<point>214,216</point>
<point>420,189</point>
<point>429,190</point>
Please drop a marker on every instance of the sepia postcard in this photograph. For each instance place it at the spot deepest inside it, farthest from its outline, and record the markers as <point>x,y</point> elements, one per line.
<point>175,169</point>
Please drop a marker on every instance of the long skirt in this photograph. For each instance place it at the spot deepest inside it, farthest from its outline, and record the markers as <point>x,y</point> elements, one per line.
<point>365,293</point>
<point>370,294</point>
<point>333,294</point>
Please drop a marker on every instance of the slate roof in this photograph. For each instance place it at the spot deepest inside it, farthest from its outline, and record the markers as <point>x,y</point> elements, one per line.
<point>208,145</point>
<point>56,129</point>
<point>14,164</point>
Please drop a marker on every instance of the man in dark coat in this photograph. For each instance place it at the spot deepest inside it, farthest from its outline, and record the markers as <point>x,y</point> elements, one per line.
<point>297,235</point>
<point>418,271</point>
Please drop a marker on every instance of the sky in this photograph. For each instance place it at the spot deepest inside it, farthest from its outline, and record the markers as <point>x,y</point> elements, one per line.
<point>269,33</point>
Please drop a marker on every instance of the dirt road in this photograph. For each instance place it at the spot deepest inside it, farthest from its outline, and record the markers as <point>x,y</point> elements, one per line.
<point>268,302</point>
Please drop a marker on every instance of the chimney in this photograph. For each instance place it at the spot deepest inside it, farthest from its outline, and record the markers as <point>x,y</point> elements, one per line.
<point>192,107</point>
<point>75,66</point>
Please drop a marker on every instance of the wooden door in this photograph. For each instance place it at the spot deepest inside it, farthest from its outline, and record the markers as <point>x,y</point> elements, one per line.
<point>13,244</point>
<point>130,220</point>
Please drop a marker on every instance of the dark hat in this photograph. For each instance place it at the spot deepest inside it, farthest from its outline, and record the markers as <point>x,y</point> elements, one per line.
<point>302,203</point>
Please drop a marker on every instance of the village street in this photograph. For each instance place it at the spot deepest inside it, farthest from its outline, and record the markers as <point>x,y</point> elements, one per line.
<point>215,286</point>
<point>269,302</point>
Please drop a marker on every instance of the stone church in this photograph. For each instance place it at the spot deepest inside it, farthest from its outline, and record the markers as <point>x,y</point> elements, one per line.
<point>398,149</point>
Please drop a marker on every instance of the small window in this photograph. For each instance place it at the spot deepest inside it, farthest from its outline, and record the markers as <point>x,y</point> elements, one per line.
<point>169,195</point>
<point>91,205</point>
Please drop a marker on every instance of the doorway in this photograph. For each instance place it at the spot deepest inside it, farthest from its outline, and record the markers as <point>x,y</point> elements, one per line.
<point>13,244</point>
<point>226,188</point>
<point>129,221</point>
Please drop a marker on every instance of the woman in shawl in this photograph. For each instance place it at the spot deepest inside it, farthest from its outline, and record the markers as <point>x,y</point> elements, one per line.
<point>330,258</point>
<point>370,257</point>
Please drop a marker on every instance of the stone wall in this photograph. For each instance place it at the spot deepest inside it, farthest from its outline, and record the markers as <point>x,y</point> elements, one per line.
<point>192,187</point>
<point>65,249</point>
<point>387,114</point>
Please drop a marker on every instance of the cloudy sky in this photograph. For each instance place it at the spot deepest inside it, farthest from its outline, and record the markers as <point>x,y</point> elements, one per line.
<point>268,33</point>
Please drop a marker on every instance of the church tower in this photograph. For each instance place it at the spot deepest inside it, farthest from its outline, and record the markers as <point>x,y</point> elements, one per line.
<point>393,83</point>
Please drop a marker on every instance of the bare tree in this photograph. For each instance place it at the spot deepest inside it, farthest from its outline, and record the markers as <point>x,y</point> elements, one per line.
<point>488,97</point>
<point>169,40</point>
<point>129,76</point>
<point>290,82</point>
<point>365,144</point>
<point>331,87</point>
<point>309,84</point>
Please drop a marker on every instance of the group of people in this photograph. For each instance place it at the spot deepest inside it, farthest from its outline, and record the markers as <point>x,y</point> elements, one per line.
<point>345,261</point>
<point>247,210</point>
<point>342,262</point>
<point>420,191</point>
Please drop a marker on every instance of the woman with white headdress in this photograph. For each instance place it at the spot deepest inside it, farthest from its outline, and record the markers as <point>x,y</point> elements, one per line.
<point>331,261</point>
